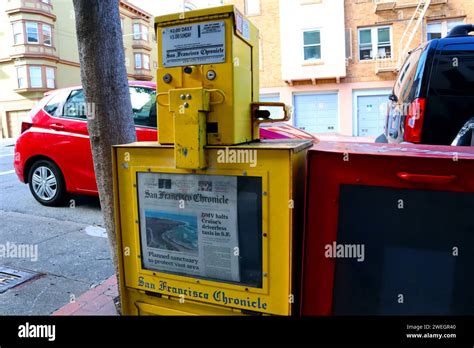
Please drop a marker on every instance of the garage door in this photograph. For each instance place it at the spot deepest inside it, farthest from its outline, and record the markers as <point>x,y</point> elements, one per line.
<point>371,111</point>
<point>14,120</point>
<point>316,113</point>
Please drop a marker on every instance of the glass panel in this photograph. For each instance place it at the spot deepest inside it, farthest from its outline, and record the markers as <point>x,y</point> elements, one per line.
<point>452,24</point>
<point>53,107</point>
<point>76,105</point>
<point>448,80</point>
<point>146,62</point>
<point>383,35</point>
<point>365,36</point>
<point>18,33</point>
<point>136,31</point>
<point>143,106</point>
<point>144,33</point>
<point>413,256</point>
<point>366,52</point>
<point>36,79</point>
<point>46,34</point>
<point>32,32</point>
<point>434,28</point>
<point>138,61</point>
<point>222,213</point>
<point>21,75</point>
<point>312,38</point>
<point>312,52</point>
<point>50,78</point>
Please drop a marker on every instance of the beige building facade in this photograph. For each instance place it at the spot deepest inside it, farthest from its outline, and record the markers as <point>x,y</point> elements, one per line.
<point>336,61</point>
<point>39,53</point>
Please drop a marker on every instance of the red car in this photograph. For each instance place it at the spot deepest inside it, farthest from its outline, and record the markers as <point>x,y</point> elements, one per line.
<point>53,153</point>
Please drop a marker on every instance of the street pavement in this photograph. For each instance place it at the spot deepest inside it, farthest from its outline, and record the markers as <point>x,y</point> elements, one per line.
<point>73,255</point>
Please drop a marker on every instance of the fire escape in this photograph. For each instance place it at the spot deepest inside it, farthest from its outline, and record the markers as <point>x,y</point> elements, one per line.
<point>394,63</point>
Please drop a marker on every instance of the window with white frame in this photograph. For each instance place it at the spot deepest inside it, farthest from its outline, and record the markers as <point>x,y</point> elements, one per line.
<point>142,61</point>
<point>47,36</point>
<point>50,78</point>
<point>22,77</point>
<point>312,45</point>
<point>146,61</point>
<point>32,76</point>
<point>375,43</point>
<point>36,77</point>
<point>140,32</point>
<point>138,61</point>
<point>252,7</point>
<point>18,37</point>
<point>144,33</point>
<point>32,32</point>
<point>136,31</point>
<point>438,30</point>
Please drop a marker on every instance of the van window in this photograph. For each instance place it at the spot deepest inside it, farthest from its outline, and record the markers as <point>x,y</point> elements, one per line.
<point>454,72</point>
<point>409,78</point>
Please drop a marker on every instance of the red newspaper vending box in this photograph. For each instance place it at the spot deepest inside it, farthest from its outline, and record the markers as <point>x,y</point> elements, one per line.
<point>389,230</point>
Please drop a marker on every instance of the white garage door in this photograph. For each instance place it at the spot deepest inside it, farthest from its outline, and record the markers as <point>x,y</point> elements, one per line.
<point>316,113</point>
<point>371,112</point>
<point>270,98</point>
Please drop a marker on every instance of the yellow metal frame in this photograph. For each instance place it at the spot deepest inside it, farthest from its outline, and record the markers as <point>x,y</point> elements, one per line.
<point>237,79</point>
<point>278,166</point>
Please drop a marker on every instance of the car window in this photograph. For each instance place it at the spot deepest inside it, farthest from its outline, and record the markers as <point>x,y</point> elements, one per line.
<point>75,106</point>
<point>409,77</point>
<point>55,104</point>
<point>454,73</point>
<point>144,106</point>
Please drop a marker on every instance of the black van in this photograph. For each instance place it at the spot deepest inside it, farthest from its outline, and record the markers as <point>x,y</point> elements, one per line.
<point>433,97</point>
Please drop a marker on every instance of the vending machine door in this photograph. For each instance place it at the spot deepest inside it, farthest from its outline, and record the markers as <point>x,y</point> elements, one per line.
<point>389,230</point>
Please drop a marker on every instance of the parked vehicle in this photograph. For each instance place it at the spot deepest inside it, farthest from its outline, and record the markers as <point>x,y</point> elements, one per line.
<point>433,96</point>
<point>53,152</point>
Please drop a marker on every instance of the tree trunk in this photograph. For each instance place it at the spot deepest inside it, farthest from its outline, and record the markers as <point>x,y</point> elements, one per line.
<point>104,79</point>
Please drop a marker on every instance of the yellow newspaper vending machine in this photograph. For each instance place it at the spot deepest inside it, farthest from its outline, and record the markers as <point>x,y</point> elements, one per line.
<point>207,217</point>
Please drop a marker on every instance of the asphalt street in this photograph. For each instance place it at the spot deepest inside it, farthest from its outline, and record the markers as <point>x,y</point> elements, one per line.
<point>72,250</point>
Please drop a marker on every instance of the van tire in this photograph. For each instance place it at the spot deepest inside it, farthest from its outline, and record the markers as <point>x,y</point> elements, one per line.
<point>381,139</point>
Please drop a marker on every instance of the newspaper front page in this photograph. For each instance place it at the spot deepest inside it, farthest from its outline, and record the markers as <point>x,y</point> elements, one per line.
<point>188,224</point>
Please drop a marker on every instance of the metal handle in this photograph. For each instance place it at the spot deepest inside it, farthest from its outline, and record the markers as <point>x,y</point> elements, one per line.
<point>57,127</point>
<point>158,95</point>
<point>221,93</point>
<point>427,178</point>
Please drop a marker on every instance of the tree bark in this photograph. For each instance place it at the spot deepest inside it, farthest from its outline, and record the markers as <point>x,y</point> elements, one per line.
<point>104,79</point>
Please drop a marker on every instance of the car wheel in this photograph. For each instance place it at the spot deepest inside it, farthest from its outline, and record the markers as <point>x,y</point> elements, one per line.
<point>47,183</point>
<point>382,139</point>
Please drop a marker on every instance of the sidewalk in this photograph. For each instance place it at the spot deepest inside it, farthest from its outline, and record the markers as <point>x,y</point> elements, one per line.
<point>7,141</point>
<point>97,301</point>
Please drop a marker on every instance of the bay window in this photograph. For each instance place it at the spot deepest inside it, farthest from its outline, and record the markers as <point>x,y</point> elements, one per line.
<point>47,37</point>
<point>50,78</point>
<point>142,61</point>
<point>36,77</point>
<point>22,77</point>
<point>18,37</point>
<point>32,32</point>
<point>140,32</point>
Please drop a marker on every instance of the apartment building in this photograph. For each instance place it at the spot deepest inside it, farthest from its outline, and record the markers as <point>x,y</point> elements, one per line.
<point>39,53</point>
<point>335,61</point>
